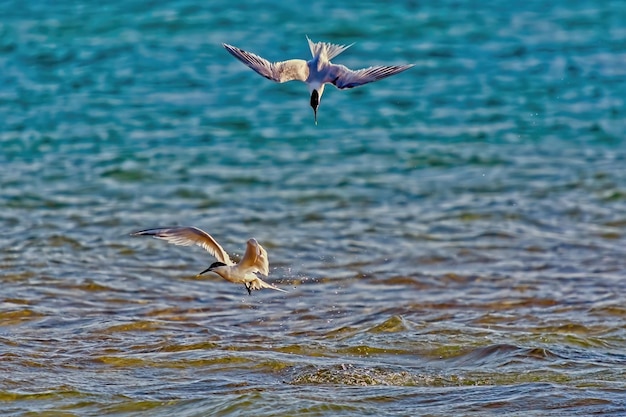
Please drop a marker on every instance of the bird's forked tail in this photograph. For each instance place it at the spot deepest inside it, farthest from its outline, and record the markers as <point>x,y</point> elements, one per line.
<point>324,48</point>
<point>258,284</point>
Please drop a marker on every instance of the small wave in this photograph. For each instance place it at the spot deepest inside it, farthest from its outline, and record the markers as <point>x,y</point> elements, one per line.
<point>347,374</point>
<point>502,354</point>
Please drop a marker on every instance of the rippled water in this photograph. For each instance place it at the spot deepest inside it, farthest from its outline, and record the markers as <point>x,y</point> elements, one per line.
<point>452,238</point>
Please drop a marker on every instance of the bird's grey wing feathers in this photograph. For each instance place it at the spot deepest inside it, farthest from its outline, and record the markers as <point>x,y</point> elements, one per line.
<point>283,71</point>
<point>187,236</point>
<point>255,258</point>
<point>343,77</point>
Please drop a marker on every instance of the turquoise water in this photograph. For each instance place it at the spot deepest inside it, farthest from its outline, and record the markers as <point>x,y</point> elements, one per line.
<point>452,238</point>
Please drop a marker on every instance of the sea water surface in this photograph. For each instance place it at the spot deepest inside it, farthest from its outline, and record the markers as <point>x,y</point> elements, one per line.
<point>452,239</point>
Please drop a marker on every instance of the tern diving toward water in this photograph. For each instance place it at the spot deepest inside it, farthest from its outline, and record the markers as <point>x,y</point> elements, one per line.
<point>254,259</point>
<point>316,72</point>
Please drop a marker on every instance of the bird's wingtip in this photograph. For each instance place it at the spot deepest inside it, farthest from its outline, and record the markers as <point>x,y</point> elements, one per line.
<point>146,232</point>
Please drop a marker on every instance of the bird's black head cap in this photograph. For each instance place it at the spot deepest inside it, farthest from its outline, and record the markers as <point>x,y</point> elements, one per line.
<point>315,102</point>
<point>315,99</point>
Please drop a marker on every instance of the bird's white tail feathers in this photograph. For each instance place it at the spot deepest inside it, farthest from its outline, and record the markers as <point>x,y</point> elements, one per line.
<point>258,283</point>
<point>324,48</point>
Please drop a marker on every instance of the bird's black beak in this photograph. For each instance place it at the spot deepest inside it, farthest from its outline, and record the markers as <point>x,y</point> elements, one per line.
<point>206,270</point>
<point>315,103</point>
<point>212,267</point>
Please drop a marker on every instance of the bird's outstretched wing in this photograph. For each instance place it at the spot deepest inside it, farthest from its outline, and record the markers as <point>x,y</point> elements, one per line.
<point>343,77</point>
<point>255,258</point>
<point>187,236</point>
<point>282,71</point>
